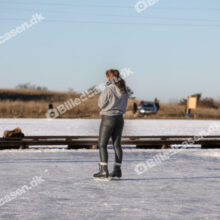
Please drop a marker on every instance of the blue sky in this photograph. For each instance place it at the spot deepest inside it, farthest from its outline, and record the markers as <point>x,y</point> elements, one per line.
<point>172,47</point>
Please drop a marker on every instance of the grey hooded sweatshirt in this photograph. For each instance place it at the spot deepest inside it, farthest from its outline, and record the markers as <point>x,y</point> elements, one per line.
<point>112,102</point>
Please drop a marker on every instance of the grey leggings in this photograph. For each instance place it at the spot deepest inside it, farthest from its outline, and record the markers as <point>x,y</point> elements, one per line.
<point>111,127</point>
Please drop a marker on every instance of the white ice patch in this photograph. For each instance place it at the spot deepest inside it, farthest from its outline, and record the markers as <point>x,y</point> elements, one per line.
<point>212,153</point>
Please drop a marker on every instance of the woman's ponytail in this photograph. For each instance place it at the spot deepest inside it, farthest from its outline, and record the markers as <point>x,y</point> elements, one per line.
<point>117,79</point>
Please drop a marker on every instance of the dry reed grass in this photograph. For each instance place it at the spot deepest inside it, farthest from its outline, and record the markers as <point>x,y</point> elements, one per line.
<point>88,109</point>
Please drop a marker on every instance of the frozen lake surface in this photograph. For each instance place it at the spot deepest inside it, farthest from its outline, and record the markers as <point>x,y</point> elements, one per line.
<point>91,126</point>
<point>185,187</point>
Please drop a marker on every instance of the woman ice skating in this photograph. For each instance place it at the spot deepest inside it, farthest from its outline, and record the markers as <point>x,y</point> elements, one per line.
<point>113,103</point>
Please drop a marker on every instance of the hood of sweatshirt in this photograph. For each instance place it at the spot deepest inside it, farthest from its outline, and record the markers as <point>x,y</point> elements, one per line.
<point>115,90</point>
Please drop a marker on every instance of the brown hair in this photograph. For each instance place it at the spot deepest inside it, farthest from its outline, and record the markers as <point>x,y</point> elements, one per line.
<point>117,79</point>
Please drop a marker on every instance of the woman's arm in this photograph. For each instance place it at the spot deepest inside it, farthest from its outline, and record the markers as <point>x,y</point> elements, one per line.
<point>104,98</point>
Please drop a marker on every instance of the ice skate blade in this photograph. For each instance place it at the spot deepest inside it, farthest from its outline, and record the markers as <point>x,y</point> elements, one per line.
<point>102,179</point>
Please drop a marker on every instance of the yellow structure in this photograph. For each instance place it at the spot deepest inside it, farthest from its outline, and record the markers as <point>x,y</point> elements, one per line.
<point>192,105</point>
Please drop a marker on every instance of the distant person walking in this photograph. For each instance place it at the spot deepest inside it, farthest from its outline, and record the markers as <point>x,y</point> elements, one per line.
<point>113,104</point>
<point>157,103</point>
